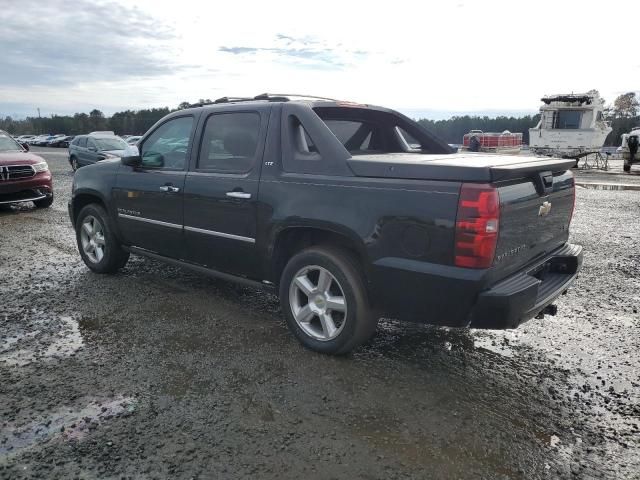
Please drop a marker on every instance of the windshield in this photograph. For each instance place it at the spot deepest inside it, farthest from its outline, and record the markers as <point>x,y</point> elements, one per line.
<point>8,144</point>
<point>114,143</point>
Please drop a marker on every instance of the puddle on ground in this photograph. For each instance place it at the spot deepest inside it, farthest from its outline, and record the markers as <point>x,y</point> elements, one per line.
<point>57,337</point>
<point>607,186</point>
<point>64,424</point>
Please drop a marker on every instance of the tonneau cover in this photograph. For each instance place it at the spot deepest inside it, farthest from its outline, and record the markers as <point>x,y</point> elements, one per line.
<point>465,167</point>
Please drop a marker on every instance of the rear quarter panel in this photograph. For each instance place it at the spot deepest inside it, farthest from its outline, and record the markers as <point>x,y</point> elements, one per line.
<point>389,221</point>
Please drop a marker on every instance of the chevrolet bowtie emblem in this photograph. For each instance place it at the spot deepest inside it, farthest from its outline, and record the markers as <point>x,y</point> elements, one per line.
<point>545,208</point>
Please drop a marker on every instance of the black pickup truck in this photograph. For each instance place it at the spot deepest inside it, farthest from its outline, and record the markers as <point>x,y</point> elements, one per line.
<point>349,212</point>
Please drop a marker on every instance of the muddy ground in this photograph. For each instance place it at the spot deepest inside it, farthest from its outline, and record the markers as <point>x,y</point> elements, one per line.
<point>160,373</point>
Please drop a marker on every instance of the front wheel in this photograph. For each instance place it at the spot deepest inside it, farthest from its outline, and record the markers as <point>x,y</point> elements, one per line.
<point>324,300</point>
<point>626,167</point>
<point>98,246</point>
<point>74,164</point>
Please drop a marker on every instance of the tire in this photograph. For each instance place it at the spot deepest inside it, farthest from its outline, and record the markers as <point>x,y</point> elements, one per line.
<point>74,164</point>
<point>98,246</point>
<point>626,168</point>
<point>352,319</point>
<point>44,203</point>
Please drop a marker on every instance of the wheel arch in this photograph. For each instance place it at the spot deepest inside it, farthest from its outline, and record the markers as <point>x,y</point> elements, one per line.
<point>292,239</point>
<point>82,199</point>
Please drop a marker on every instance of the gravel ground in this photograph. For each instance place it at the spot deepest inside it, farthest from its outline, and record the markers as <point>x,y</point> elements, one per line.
<point>159,373</point>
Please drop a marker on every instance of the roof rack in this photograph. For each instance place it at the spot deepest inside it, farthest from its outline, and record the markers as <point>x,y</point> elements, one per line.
<point>287,96</point>
<point>270,97</point>
<point>232,99</point>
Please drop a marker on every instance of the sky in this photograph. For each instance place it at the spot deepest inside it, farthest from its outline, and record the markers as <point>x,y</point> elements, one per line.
<point>425,58</point>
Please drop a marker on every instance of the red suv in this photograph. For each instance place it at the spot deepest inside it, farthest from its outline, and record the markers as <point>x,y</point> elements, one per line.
<point>24,177</point>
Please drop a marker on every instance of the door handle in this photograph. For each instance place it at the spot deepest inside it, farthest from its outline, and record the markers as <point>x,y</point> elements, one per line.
<point>169,189</point>
<point>238,195</point>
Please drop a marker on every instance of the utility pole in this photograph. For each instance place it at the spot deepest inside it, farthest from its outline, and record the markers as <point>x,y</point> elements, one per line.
<point>39,121</point>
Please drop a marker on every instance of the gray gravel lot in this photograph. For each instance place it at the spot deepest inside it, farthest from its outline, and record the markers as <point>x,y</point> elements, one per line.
<point>159,373</point>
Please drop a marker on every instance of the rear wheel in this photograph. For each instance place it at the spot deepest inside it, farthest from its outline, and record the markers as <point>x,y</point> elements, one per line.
<point>324,300</point>
<point>626,167</point>
<point>97,244</point>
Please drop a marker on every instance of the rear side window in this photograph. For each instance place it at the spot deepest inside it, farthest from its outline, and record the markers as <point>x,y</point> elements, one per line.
<point>409,142</point>
<point>82,142</point>
<point>229,142</point>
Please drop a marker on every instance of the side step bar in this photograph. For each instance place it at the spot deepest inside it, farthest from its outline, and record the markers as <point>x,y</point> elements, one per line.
<point>209,272</point>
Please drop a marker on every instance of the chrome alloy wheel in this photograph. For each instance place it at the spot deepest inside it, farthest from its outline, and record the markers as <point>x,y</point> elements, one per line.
<point>318,303</point>
<point>92,238</point>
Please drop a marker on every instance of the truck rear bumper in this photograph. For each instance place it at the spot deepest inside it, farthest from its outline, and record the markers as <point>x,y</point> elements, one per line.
<point>462,297</point>
<point>525,294</point>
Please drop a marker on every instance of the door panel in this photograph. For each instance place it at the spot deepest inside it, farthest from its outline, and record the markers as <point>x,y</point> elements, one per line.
<point>220,209</point>
<point>150,198</point>
<point>220,230</point>
<point>150,216</point>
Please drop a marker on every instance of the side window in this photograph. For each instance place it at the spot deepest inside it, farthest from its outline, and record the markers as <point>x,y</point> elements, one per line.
<point>91,144</point>
<point>229,142</point>
<point>302,142</point>
<point>82,142</point>
<point>168,145</point>
<point>407,140</point>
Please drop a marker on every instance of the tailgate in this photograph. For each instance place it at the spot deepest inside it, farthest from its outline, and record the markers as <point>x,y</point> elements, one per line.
<point>535,213</point>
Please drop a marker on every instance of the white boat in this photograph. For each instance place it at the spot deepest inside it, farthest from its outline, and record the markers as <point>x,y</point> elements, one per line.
<point>571,126</point>
<point>629,148</point>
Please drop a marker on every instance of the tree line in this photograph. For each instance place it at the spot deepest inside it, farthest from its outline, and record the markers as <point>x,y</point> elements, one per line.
<point>129,122</point>
<point>453,129</point>
<point>622,114</point>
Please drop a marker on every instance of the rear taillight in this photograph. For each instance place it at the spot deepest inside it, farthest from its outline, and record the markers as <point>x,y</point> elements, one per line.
<point>477,225</point>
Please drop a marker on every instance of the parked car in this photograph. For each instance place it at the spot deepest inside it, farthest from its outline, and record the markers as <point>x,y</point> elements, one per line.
<point>92,148</point>
<point>24,177</point>
<point>327,204</point>
<point>37,140</point>
<point>62,141</point>
<point>42,141</point>
<point>54,138</point>
<point>25,138</point>
<point>133,139</point>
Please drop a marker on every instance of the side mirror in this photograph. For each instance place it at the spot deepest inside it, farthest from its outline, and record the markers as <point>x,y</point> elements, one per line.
<point>132,161</point>
<point>25,146</point>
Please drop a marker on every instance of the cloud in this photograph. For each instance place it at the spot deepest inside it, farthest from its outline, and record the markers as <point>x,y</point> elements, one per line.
<point>303,52</point>
<point>60,43</point>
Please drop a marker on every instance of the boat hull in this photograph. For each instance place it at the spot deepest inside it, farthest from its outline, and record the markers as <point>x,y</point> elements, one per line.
<point>567,143</point>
